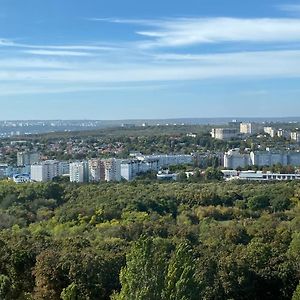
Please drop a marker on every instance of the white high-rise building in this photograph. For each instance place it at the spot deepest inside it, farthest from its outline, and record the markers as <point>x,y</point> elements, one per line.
<point>283,133</point>
<point>96,170</point>
<point>248,128</point>
<point>224,133</point>
<point>270,131</point>
<point>295,136</point>
<point>130,169</point>
<point>155,162</point>
<point>3,170</point>
<point>112,169</point>
<point>234,159</point>
<point>79,171</point>
<point>27,158</point>
<point>64,168</point>
<point>268,158</point>
<point>45,171</point>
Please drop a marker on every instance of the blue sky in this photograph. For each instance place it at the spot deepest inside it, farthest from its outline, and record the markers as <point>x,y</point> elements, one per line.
<point>118,59</point>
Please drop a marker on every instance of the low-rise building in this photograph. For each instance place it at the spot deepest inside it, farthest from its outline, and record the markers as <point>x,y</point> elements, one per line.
<point>258,176</point>
<point>165,175</point>
<point>21,178</point>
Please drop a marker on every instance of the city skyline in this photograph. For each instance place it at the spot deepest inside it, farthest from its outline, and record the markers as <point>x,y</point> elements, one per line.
<point>114,61</point>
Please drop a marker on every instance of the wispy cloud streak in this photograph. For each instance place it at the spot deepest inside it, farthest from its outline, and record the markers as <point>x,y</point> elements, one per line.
<point>272,64</point>
<point>186,32</point>
<point>12,43</point>
<point>291,8</point>
<point>57,53</point>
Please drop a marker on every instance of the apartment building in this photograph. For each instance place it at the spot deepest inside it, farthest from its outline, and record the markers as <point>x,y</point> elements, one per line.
<point>45,171</point>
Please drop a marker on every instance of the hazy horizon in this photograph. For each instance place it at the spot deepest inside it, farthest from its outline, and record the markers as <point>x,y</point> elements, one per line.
<point>226,118</point>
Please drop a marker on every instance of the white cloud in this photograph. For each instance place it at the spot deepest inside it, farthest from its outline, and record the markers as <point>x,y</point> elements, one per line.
<point>57,52</point>
<point>185,32</point>
<point>291,8</point>
<point>25,89</point>
<point>87,66</point>
<point>6,42</point>
<point>271,64</point>
<point>87,47</point>
<point>18,63</point>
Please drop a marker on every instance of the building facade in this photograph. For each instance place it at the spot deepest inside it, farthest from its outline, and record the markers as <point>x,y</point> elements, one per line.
<point>112,169</point>
<point>96,170</point>
<point>156,162</point>
<point>79,172</point>
<point>27,158</point>
<point>45,171</point>
<point>258,176</point>
<point>233,159</point>
<point>224,133</point>
<point>131,168</point>
<point>21,178</point>
<point>268,158</point>
<point>295,136</point>
<point>248,128</point>
<point>270,131</point>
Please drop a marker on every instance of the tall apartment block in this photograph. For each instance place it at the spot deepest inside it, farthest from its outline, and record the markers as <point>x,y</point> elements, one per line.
<point>79,171</point>
<point>96,170</point>
<point>112,169</point>
<point>224,133</point>
<point>248,128</point>
<point>27,158</point>
<point>45,171</point>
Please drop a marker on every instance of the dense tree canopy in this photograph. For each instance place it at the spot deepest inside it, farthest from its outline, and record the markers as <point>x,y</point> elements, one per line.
<point>150,240</point>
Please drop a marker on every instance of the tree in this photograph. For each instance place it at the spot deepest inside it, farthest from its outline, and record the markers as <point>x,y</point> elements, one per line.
<point>296,295</point>
<point>280,203</point>
<point>5,287</point>
<point>70,292</point>
<point>144,274</point>
<point>258,202</point>
<point>180,282</point>
<point>294,251</point>
<point>47,276</point>
<point>182,176</point>
<point>213,174</point>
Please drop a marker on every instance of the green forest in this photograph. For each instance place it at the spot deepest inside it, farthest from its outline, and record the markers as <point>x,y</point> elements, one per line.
<point>147,240</point>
